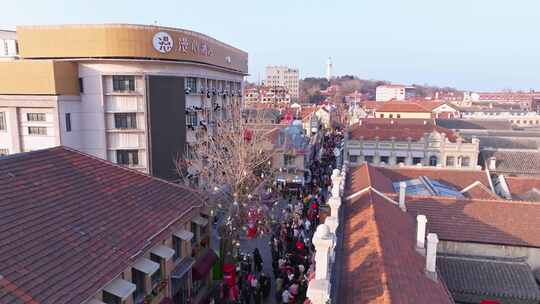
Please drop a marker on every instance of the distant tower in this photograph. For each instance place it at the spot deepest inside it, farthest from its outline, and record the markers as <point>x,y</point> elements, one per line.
<point>329,69</point>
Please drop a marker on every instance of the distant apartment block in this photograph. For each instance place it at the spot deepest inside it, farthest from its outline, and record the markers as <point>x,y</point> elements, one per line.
<point>282,76</point>
<point>267,94</point>
<point>134,95</point>
<point>394,92</point>
<point>519,118</point>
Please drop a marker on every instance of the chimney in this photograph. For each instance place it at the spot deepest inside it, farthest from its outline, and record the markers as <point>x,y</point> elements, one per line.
<point>492,163</point>
<point>421,221</point>
<point>431,255</point>
<point>402,190</point>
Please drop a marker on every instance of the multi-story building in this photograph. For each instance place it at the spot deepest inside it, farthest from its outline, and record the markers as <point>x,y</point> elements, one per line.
<point>78,229</point>
<point>416,109</point>
<point>409,142</point>
<point>394,92</point>
<point>282,76</point>
<point>267,94</point>
<point>132,94</point>
<point>520,118</point>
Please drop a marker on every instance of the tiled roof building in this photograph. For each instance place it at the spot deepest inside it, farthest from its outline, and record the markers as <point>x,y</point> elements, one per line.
<point>70,224</point>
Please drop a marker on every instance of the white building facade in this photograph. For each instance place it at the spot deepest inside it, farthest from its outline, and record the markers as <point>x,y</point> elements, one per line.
<point>282,76</point>
<point>394,92</point>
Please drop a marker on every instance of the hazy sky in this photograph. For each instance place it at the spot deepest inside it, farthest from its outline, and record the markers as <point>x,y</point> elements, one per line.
<point>469,44</point>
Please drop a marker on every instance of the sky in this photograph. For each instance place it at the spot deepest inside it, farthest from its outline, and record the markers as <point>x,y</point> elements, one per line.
<point>476,45</point>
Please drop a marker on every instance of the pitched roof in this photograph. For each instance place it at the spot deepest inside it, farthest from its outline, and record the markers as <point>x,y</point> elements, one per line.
<point>524,188</point>
<point>479,191</point>
<point>467,124</point>
<point>498,279</point>
<point>70,223</point>
<point>365,176</point>
<point>379,263</point>
<point>399,129</point>
<point>523,162</point>
<point>403,106</point>
<point>479,221</point>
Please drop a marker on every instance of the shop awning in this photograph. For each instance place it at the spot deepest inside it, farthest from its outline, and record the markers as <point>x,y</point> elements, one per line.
<point>368,152</point>
<point>184,266</point>
<point>184,235</point>
<point>199,220</point>
<point>146,266</point>
<point>163,252</point>
<point>204,264</point>
<point>354,152</point>
<point>120,288</point>
<point>402,153</point>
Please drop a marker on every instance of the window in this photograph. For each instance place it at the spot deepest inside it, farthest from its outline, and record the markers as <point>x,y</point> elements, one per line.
<point>125,120</point>
<point>177,246</point>
<point>68,122</point>
<point>123,83</point>
<point>191,119</point>
<point>353,158</point>
<point>385,159</point>
<point>158,275</point>
<point>465,161</point>
<point>35,116</point>
<point>37,131</point>
<point>137,278</point>
<point>4,152</point>
<point>433,160</point>
<point>288,160</point>
<point>390,115</point>
<point>127,157</point>
<point>450,161</point>
<point>3,125</point>
<point>400,159</point>
<point>110,298</point>
<point>194,230</point>
<point>398,115</point>
<point>191,83</point>
<point>368,159</point>
<point>81,86</point>
<point>381,115</point>
<point>416,160</point>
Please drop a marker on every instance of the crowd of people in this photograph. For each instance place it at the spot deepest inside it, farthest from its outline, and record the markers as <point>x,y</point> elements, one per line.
<point>290,243</point>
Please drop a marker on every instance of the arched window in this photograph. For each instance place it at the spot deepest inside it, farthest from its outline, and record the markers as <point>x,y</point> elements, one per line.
<point>465,161</point>
<point>433,160</point>
<point>450,161</point>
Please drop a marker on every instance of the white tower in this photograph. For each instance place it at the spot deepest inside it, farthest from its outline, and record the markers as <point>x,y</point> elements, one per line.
<point>329,69</point>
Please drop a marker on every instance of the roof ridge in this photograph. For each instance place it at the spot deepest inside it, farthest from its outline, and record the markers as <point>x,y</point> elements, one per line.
<point>470,200</point>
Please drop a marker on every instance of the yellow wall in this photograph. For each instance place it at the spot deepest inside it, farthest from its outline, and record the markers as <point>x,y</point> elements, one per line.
<point>126,41</point>
<point>38,77</point>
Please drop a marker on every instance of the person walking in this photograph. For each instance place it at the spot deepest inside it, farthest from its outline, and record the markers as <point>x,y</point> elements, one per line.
<point>257,259</point>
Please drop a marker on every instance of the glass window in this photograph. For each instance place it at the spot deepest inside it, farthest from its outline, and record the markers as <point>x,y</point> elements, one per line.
<point>137,278</point>
<point>3,125</point>
<point>398,115</point>
<point>81,85</point>
<point>4,152</point>
<point>191,83</point>
<point>35,116</point>
<point>127,157</point>
<point>158,275</point>
<point>433,160</point>
<point>109,298</point>
<point>381,116</point>
<point>385,159</point>
<point>177,246</point>
<point>125,120</point>
<point>194,230</point>
<point>368,159</point>
<point>400,159</point>
<point>37,130</point>
<point>450,161</point>
<point>465,161</point>
<point>288,160</point>
<point>123,83</point>
<point>191,119</point>
<point>353,158</point>
<point>416,160</point>
<point>68,122</point>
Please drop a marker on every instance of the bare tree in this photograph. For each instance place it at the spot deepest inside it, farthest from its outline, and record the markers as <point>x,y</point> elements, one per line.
<point>230,163</point>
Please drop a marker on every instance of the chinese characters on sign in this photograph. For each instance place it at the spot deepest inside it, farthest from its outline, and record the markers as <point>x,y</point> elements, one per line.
<point>197,48</point>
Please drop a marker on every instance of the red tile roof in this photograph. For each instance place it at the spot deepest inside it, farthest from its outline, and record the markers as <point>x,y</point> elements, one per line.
<point>379,262</point>
<point>400,129</point>
<point>521,187</point>
<point>70,223</point>
<point>479,191</point>
<point>402,106</point>
<point>480,221</point>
